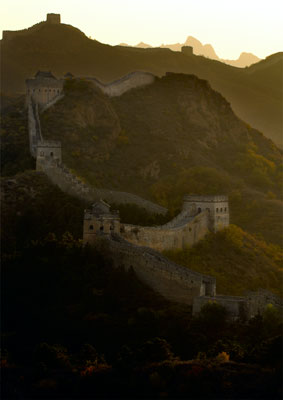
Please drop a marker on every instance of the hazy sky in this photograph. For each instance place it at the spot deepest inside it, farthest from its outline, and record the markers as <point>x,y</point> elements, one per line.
<point>231,26</point>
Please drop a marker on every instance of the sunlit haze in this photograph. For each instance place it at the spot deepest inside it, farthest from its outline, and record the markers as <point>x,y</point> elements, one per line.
<point>230,26</point>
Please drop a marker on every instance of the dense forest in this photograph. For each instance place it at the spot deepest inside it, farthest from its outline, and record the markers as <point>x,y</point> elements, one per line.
<point>75,327</point>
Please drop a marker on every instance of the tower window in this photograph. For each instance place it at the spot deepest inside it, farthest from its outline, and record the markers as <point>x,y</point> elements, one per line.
<point>199,210</point>
<point>91,227</point>
<point>51,154</point>
<point>225,209</point>
<point>101,228</point>
<point>220,209</point>
<point>216,209</point>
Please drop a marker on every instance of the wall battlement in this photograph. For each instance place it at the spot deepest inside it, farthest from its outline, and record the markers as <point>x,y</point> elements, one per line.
<point>43,88</point>
<point>191,225</point>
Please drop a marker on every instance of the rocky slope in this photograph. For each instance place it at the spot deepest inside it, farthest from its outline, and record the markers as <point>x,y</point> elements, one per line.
<point>173,137</point>
<point>61,48</point>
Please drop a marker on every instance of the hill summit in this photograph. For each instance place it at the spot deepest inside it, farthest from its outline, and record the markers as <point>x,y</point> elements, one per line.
<point>255,95</point>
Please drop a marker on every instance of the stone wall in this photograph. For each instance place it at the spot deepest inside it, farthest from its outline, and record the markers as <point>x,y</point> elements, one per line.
<point>217,207</point>
<point>44,91</point>
<point>127,82</point>
<point>176,283</point>
<point>185,232</point>
<point>47,149</point>
<point>258,301</point>
<point>241,307</point>
<point>61,176</point>
<point>33,126</point>
<point>52,102</point>
<point>236,306</point>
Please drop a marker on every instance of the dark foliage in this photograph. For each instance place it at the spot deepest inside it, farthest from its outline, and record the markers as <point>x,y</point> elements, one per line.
<point>74,326</point>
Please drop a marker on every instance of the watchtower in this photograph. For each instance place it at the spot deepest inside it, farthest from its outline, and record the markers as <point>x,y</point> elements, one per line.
<point>48,151</point>
<point>188,50</point>
<point>43,88</point>
<point>100,220</point>
<point>217,206</point>
<point>53,18</point>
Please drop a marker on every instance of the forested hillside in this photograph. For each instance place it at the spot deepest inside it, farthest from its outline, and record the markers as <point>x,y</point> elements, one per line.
<point>174,137</point>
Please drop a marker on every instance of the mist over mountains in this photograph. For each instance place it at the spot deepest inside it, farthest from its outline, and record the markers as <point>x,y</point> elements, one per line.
<point>254,92</point>
<point>244,60</point>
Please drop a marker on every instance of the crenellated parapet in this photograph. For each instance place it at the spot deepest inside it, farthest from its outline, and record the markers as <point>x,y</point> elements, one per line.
<point>43,88</point>
<point>198,217</point>
<point>217,207</point>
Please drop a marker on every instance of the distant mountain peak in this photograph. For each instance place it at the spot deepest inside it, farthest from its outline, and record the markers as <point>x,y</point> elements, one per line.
<point>143,45</point>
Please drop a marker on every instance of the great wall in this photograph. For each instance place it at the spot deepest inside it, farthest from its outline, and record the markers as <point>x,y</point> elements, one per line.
<point>134,246</point>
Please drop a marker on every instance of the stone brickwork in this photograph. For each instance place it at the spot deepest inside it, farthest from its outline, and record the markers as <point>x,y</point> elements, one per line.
<point>188,232</point>
<point>176,283</point>
<point>190,226</point>
<point>33,126</point>
<point>216,206</point>
<point>43,88</point>
<point>47,149</point>
<point>241,307</point>
<point>236,306</point>
<point>257,301</point>
<point>67,181</point>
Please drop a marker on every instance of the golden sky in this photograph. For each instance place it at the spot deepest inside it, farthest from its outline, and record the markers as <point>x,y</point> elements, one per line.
<point>231,26</point>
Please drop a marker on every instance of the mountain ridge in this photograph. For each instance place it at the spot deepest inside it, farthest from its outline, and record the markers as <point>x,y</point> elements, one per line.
<point>62,48</point>
<point>244,60</point>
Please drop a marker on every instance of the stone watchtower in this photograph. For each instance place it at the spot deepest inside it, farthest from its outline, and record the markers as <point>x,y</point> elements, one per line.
<point>53,18</point>
<point>48,151</point>
<point>217,207</point>
<point>187,50</point>
<point>100,220</point>
<point>43,88</point>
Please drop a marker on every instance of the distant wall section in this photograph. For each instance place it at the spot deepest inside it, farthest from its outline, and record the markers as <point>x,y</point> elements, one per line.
<point>127,82</point>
